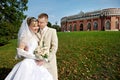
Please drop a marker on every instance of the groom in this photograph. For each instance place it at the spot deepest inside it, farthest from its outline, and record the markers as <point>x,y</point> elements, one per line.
<point>51,41</point>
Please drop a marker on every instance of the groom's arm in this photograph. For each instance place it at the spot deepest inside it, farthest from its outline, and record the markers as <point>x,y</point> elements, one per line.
<point>54,44</point>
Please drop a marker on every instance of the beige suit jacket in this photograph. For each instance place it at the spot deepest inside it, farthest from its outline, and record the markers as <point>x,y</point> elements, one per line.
<point>51,41</point>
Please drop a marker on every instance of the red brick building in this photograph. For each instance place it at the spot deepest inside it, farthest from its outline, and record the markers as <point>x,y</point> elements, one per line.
<point>105,19</point>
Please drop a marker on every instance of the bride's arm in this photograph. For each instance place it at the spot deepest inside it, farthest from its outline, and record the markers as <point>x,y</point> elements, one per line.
<point>22,53</point>
<point>22,46</point>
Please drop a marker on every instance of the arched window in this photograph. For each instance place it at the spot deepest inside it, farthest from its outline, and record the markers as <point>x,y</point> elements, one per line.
<point>75,27</point>
<point>89,26</point>
<point>81,27</point>
<point>116,25</point>
<point>107,25</point>
<point>70,27</point>
<point>95,26</point>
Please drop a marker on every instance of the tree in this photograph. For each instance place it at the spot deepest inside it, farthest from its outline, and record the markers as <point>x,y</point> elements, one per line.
<point>11,16</point>
<point>12,10</point>
<point>49,24</point>
<point>57,27</point>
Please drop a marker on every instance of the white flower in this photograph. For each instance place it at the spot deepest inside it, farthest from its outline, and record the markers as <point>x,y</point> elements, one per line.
<point>41,53</point>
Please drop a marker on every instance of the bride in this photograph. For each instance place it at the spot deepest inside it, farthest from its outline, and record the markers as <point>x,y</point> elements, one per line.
<point>28,69</point>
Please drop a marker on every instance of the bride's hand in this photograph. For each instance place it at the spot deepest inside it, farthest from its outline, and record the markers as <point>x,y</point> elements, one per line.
<point>40,62</point>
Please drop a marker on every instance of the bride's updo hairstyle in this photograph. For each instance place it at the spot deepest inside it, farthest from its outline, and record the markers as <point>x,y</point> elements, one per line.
<point>31,21</point>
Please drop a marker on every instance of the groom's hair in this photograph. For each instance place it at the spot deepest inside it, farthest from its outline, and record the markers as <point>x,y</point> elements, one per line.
<point>43,15</point>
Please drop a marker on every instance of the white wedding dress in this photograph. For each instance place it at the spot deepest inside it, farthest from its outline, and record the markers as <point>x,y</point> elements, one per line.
<point>27,69</point>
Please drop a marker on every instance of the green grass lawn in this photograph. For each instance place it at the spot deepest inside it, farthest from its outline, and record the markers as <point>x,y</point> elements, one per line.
<point>80,56</point>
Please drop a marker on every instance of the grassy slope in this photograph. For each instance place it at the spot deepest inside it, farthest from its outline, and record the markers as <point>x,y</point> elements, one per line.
<point>89,55</point>
<point>81,56</point>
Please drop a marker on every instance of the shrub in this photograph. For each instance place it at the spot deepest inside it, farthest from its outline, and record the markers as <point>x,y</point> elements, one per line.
<point>3,41</point>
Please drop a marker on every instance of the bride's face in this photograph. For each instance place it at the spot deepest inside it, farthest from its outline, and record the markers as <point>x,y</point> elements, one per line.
<point>34,26</point>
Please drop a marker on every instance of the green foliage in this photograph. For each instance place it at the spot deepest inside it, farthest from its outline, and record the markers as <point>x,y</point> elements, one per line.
<point>12,10</point>
<point>3,41</point>
<point>57,27</point>
<point>11,16</point>
<point>49,24</point>
<point>80,56</point>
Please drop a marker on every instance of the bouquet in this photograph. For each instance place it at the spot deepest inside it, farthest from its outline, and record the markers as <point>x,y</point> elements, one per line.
<point>41,52</point>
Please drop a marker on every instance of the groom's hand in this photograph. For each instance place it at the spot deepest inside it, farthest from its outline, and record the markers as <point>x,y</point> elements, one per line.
<point>40,62</point>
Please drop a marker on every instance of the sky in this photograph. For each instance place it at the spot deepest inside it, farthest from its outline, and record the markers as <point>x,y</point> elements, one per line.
<point>56,9</point>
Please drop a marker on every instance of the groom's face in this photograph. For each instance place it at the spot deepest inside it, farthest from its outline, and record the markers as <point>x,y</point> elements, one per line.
<point>42,22</point>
